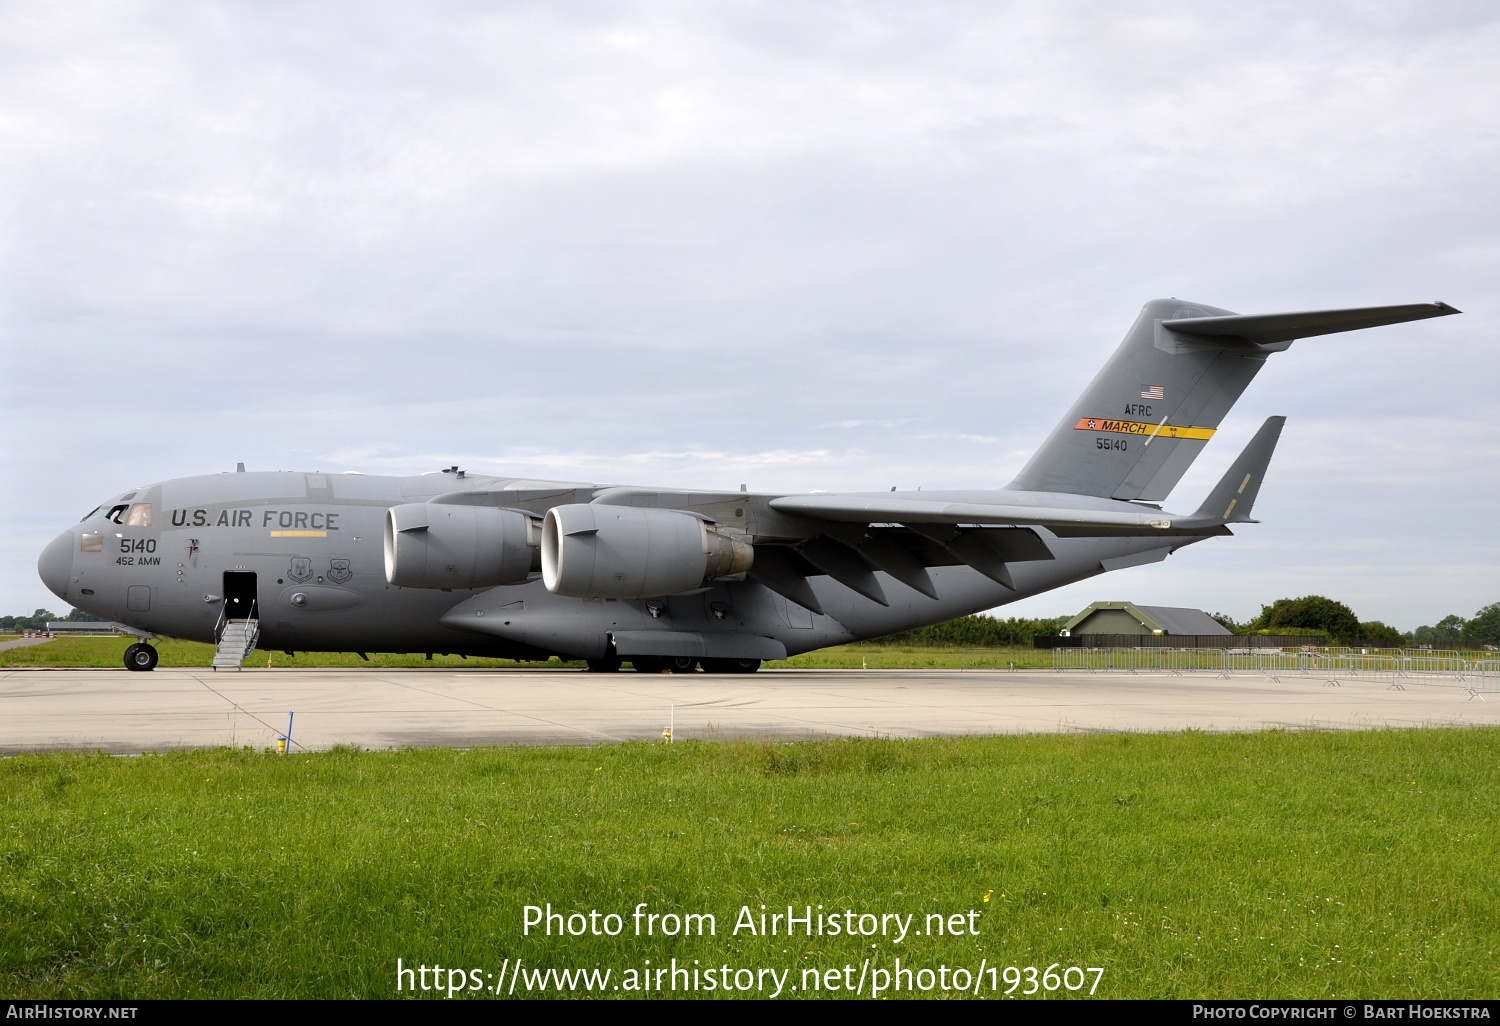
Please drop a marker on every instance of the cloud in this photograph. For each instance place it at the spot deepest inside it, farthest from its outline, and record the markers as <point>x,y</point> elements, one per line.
<point>867,423</point>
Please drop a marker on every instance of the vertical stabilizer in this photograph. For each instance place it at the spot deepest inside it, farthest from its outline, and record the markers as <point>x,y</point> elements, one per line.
<point>1145,417</point>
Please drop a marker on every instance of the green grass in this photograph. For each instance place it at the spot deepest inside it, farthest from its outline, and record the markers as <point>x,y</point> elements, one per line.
<point>876,656</point>
<point>109,652</point>
<point>1187,865</point>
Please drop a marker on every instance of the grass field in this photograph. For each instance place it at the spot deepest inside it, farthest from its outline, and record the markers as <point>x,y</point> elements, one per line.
<point>109,651</point>
<point>1306,864</point>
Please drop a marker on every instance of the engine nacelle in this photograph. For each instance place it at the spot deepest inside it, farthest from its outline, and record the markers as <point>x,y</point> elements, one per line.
<point>435,545</point>
<point>600,551</point>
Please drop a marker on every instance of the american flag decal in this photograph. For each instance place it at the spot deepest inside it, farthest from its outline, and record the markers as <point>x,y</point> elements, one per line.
<point>1153,392</point>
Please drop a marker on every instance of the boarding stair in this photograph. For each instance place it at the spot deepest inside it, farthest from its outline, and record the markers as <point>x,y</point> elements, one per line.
<point>236,643</point>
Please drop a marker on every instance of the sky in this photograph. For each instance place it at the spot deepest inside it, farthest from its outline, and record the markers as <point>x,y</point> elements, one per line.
<point>825,245</point>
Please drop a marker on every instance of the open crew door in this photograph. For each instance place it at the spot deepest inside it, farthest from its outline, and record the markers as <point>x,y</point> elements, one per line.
<point>240,597</point>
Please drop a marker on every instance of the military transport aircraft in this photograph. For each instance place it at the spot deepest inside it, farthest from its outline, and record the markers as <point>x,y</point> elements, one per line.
<point>665,578</point>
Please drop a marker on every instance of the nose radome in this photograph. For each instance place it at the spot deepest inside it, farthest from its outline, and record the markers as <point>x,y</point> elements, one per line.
<point>56,564</point>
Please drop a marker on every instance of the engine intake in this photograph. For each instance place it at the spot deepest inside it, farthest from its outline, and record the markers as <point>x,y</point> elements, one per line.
<point>601,551</point>
<point>433,545</point>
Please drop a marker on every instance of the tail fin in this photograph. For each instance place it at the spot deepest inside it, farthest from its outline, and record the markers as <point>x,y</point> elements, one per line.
<point>1145,417</point>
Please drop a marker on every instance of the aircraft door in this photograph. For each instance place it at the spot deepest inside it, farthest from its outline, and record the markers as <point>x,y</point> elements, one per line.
<point>240,595</point>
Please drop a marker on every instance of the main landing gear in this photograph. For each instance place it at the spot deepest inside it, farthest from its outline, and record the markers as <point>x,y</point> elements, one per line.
<point>141,656</point>
<point>730,665</point>
<point>677,664</point>
<point>660,664</point>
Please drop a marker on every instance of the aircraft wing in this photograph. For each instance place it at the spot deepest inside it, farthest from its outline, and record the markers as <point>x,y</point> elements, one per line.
<point>939,531</point>
<point>904,535</point>
<point>858,509</point>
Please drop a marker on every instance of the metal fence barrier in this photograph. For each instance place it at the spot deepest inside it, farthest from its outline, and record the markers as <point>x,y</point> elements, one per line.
<point>1394,667</point>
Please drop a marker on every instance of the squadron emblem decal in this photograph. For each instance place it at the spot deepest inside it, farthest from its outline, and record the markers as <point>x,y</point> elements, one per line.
<point>301,569</point>
<point>339,572</point>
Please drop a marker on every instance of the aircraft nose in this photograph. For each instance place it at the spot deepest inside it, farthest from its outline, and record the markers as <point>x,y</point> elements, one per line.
<point>56,564</point>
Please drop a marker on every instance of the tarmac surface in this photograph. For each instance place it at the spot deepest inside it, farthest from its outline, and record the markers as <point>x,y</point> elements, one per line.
<point>120,712</point>
<point>22,643</point>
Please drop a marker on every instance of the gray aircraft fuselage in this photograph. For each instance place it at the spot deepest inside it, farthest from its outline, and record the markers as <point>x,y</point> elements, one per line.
<point>309,549</point>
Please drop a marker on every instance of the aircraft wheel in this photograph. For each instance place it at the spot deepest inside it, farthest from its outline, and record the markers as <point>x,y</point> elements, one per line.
<point>730,665</point>
<point>609,664</point>
<point>141,656</point>
<point>681,664</point>
<point>648,664</point>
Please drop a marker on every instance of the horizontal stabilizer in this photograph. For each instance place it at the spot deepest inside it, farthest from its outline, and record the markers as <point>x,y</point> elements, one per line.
<point>1267,329</point>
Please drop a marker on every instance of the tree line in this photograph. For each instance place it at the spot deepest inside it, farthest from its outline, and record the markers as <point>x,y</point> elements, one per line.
<point>1316,614</point>
<point>1310,614</point>
<point>980,631</point>
<point>38,620</point>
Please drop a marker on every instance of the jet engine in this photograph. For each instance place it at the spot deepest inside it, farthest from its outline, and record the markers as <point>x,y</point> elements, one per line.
<point>601,551</point>
<point>434,545</point>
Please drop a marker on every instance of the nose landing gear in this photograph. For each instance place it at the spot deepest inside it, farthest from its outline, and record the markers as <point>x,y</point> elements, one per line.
<point>658,664</point>
<point>141,656</point>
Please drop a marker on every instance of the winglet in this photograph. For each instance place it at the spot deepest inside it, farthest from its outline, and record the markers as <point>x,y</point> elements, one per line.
<point>1234,495</point>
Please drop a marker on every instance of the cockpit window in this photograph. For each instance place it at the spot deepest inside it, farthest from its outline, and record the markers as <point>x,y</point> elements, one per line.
<point>121,511</point>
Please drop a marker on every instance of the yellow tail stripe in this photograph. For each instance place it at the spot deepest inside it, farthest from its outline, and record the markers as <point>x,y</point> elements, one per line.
<point>1136,427</point>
